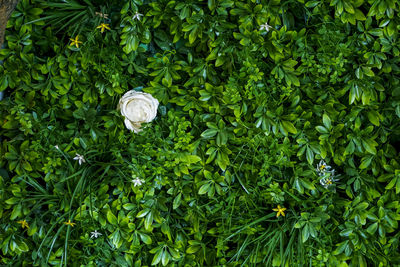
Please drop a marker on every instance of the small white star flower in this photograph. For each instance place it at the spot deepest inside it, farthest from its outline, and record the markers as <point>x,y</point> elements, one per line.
<point>80,159</point>
<point>137,182</point>
<point>265,27</point>
<point>56,146</point>
<point>322,168</point>
<point>95,234</point>
<point>326,182</point>
<point>137,16</point>
<point>326,173</point>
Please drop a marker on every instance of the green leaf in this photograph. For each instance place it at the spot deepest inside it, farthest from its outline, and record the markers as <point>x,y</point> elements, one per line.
<point>346,232</point>
<point>222,160</point>
<point>111,218</point>
<point>321,129</point>
<point>305,233</point>
<point>289,127</point>
<point>392,183</point>
<point>307,184</point>
<point>129,206</point>
<point>359,73</point>
<point>17,211</point>
<point>373,117</point>
<point>365,162</point>
<point>327,121</point>
<point>193,249</point>
<point>204,188</point>
<point>369,146</point>
<point>36,11</point>
<point>313,3</point>
<point>367,71</point>
<point>177,201</point>
<point>310,156</point>
<point>142,213</point>
<point>209,133</point>
<point>3,83</point>
<point>190,159</point>
<point>148,221</point>
<point>341,247</point>
<point>359,14</point>
<point>165,258</point>
<point>298,186</point>
<point>211,4</point>
<point>192,35</point>
<point>372,228</point>
<point>27,166</point>
<point>145,238</point>
<point>157,257</point>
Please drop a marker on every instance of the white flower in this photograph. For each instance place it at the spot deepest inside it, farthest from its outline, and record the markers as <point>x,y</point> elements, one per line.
<point>326,182</point>
<point>56,146</point>
<point>137,182</point>
<point>101,15</point>
<point>265,26</point>
<point>326,173</point>
<point>137,107</point>
<point>137,16</point>
<point>322,168</point>
<point>95,234</point>
<point>80,159</point>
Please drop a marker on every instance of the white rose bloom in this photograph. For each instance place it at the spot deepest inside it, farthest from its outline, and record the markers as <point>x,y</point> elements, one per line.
<point>137,107</point>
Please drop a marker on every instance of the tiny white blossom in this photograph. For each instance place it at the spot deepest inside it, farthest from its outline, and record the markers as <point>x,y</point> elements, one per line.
<point>137,16</point>
<point>322,168</point>
<point>80,159</point>
<point>95,234</point>
<point>265,26</point>
<point>137,181</point>
<point>102,15</point>
<point>56,146</point>
<point>326,182</point>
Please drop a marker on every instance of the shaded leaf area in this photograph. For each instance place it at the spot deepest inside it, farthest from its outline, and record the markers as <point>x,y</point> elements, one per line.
<point>246,113</point>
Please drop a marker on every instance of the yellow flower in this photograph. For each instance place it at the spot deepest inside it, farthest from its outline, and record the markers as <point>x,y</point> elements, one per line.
<point>23,224</point>
<point>102,27</point>
<point>329,181</point>
<point>280,211</point>
<point>70,223</point>
<point>75,41</point>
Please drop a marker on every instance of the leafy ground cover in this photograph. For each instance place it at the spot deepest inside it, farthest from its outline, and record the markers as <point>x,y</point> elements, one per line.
<point>276,141</point>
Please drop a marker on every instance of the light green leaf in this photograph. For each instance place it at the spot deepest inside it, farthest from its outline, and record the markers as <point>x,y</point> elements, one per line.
<point>289,127</point>
<point>209,133</point>
<point>111,218</point>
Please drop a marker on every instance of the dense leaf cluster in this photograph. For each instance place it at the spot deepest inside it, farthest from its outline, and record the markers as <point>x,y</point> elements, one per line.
<point>246,114</point>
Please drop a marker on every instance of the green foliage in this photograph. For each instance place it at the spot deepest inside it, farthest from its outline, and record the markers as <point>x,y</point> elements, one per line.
<point>246,113</point>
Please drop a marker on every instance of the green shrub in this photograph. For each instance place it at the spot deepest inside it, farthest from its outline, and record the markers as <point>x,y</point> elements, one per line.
<point>303,114</point>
